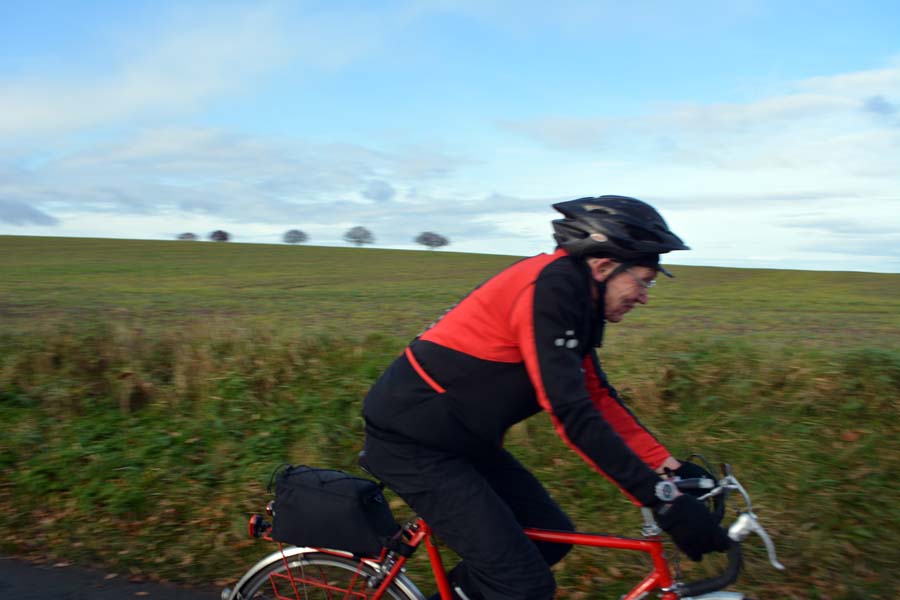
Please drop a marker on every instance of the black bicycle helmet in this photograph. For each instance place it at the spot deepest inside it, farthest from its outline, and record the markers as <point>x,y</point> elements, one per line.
<point>618,227</point>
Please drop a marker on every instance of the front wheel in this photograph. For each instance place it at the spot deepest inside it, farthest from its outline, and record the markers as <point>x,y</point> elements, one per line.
<point>320,576</point>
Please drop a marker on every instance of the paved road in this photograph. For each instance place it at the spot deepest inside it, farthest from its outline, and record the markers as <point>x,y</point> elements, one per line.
<point>26,581</point>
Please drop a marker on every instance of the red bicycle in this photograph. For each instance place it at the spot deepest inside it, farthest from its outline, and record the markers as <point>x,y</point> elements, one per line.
<point>295,573</point>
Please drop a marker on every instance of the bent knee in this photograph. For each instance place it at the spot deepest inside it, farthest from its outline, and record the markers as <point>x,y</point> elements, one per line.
<point>553,553</point>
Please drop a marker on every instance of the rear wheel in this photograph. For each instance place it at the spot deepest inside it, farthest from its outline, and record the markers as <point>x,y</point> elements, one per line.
<point>319,576</point>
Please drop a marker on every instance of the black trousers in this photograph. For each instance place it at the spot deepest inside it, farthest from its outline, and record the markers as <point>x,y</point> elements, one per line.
<point>478,507</point>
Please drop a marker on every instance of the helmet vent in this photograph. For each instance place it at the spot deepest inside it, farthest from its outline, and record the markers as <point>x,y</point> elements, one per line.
<point>639,233</point>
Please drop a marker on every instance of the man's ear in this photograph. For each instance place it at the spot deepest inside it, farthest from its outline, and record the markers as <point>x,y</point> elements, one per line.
<point>601,268</point>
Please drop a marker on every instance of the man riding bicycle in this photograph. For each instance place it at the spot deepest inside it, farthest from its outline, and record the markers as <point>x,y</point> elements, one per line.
<point>523,342</point>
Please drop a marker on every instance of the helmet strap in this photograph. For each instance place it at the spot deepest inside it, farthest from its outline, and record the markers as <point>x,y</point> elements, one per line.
<point>599,288</point>
<point>636,263</point>
<point>620,269</point>
<point>600,315</point>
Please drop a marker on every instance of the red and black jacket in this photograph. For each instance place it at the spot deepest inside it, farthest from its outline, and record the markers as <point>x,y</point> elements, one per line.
<point>520,343</point>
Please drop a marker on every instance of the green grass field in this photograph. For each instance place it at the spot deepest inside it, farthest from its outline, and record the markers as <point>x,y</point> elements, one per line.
<point>147,390</point>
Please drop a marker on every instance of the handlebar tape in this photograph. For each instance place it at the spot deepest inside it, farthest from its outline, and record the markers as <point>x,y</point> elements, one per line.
<point>724,579</point>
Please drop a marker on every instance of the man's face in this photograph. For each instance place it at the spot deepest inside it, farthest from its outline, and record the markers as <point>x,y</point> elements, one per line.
<point>627,289</point>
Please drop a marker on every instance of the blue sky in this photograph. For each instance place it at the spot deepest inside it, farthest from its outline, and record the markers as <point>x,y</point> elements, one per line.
<point>767,133</point>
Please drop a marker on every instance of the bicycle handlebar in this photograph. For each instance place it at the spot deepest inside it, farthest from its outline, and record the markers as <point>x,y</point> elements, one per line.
<point>695,483</point>
<point>717,582</point>
<point>746,524</point>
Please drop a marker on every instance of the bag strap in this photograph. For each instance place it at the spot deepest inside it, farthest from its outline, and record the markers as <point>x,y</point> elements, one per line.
<point>317,472</point>
<point>275,473</point>
<point>323,483</point>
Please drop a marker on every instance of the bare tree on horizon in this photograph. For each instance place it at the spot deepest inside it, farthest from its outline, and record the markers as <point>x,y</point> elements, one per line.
<point>295,236</point>
<point>359,235</point>
<point>431,239</point>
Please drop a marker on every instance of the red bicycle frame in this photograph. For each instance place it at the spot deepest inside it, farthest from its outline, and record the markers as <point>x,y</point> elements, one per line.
<point>659,578</point>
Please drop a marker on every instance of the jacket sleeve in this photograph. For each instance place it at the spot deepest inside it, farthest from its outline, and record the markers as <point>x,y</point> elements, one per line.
<point>550,320</point>
<point>622,420</point>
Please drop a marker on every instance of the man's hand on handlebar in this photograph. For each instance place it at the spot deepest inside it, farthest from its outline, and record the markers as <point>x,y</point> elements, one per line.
<point>689,470</point>
<point>691,526</point>
<point>695,480</point>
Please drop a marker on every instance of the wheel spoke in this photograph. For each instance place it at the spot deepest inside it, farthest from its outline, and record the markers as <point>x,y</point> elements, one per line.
<point>317,576</point>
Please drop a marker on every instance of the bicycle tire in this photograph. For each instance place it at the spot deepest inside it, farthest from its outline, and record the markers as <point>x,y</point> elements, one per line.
<point>319,576</point>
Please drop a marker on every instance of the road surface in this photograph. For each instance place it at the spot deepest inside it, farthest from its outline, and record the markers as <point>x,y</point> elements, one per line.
<point>26,581</point>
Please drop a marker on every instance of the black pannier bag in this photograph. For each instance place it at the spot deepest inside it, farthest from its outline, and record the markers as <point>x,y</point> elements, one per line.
<point>326,508</point>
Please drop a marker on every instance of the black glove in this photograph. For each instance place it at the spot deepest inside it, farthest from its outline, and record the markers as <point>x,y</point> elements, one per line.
<point>693,529</point>
<point>689,470</point>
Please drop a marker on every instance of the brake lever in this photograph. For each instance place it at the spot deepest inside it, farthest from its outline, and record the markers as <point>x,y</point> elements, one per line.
<point>770,547</point>
<point>746,524</point>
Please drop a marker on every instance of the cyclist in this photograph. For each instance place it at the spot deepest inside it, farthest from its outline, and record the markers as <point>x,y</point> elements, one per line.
<point>523,342</point>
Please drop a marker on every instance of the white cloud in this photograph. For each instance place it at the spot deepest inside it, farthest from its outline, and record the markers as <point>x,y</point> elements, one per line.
<point>860,84</point>
<point>825,107</point>
<point>232,178</point>
<point>731,118</point>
